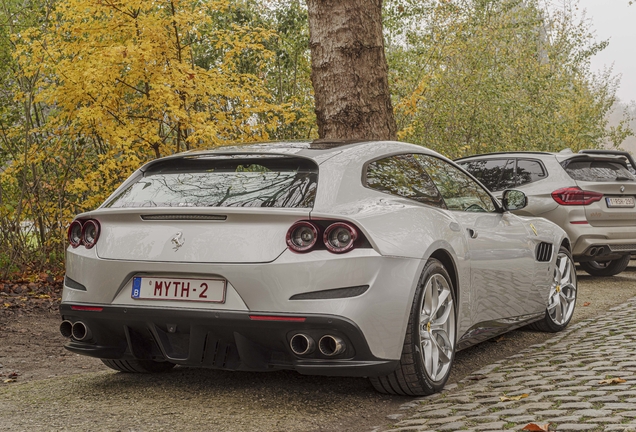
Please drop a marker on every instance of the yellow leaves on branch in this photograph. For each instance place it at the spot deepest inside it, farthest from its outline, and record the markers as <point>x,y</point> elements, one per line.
<point>130,69</point>
<point>138,79</point>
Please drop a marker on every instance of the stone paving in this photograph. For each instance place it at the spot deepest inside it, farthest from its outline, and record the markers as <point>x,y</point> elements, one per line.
<point>560,377</point>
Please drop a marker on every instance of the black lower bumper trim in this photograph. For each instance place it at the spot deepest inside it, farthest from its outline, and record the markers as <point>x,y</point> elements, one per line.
<point>223,340</point>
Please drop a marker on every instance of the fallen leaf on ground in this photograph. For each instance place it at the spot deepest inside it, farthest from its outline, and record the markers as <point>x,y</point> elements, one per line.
<point>513,398</point>
<point>499,339</point>
<point>9,380</point>
<point>612,381</point>
<point>587,304</point>
<point>535,427</point>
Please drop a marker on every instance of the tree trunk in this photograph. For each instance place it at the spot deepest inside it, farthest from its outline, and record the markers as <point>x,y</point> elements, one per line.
<point>349,70</point>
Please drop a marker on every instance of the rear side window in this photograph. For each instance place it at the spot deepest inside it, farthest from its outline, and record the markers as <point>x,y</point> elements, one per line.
<point>501,174</point>
<point>402,175</point>
<point>224,181</point>
<point>460,191</point>
<point>597,170</point>
<point>529,171</point>
<point>495,174</point>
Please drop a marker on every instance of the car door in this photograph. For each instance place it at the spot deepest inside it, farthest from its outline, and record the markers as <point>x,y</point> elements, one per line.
<point>501,255</point>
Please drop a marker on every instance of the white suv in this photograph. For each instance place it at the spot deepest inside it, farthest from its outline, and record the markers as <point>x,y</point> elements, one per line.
<point>591,196</point>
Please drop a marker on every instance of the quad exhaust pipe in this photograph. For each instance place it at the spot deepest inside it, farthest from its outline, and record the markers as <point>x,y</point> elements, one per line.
<point>66,328</point>
<point>78,330</point>
<point>302,345</point>
<point>331,345</point>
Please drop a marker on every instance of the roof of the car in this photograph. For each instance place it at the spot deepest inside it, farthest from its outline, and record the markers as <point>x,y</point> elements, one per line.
<point>515,153</point>
<point>560,156</point>
<point>319,150</point>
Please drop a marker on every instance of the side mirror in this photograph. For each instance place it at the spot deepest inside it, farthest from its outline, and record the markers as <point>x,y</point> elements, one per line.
<point>514,200</point>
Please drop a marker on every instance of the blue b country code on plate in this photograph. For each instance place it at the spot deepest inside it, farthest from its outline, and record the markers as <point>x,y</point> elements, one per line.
<point>181,289</point>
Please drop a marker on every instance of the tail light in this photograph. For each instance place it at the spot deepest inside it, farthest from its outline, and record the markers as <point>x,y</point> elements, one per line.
<point>340,237</point>
<point>83,233</point>
<point>336,236</point>
<point>575,196</point>
<point>75,233</point>
<point>90,233</point>
<point>302,236</point>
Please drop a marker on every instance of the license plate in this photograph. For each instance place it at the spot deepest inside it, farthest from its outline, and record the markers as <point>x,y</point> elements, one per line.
<point>620,202</point>
<point>198,290</point>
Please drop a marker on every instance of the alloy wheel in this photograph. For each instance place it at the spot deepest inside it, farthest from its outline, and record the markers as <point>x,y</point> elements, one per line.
<point>563,290</point>
<point>437,327</point>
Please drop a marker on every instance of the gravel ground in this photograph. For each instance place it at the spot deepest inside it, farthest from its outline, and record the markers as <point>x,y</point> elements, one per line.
<point>56,390</point>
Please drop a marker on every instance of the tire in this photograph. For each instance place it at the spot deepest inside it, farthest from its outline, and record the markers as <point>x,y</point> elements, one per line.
<point>562,297</point>
<point>138,366</point>
<point>606,268</point>
<point>429,345</point>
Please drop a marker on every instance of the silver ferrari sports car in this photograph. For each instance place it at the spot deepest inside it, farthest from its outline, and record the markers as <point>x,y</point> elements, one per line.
<point>377,259</point>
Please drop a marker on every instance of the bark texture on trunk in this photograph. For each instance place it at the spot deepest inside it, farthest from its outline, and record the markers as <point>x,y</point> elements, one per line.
<point>349,70</point>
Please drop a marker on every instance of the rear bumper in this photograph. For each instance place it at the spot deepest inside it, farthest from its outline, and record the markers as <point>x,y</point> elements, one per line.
<point>222,340</point>
<point>594,248</point>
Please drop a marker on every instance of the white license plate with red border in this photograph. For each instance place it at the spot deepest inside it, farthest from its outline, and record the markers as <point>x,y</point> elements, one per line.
<point>620,202</point>
<point>180,289</point>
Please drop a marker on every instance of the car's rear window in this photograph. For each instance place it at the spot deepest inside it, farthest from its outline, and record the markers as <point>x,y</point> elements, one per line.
<point>597,170</point>
<point>224,181</point>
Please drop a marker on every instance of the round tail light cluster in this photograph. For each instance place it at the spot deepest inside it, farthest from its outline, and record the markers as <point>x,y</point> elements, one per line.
<point>83,233</point>
<point>337,237</point>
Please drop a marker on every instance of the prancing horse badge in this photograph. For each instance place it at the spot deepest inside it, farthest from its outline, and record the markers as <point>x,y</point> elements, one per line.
<point>177,241</point>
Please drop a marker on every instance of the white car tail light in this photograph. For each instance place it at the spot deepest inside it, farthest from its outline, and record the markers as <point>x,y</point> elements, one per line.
<point>340,237</point>
<point>575,196</point>
<point>75,233</point>
<point>90,233</point>
<point>83,233</point>
<point>337,236</point>
<point>302,236</point>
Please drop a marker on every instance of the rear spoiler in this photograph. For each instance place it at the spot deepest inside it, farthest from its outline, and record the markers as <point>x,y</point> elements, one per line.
<point>631,165</point>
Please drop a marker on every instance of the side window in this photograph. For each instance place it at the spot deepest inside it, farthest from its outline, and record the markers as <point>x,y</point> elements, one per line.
<point>402,175</point>
<point>529,171</point>
<point>460,192</point>
<point>495,174</point>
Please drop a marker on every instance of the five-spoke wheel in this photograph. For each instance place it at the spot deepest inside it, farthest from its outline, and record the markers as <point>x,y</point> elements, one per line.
<point>562,295</point>
<point>437,327</point>
<point>429,345</point>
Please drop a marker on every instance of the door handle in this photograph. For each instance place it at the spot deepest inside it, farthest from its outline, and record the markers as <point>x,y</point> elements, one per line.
<point>472,233</point>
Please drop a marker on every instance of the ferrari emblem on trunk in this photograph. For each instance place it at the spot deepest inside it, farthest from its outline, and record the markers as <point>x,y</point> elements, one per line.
<point>178,240</point>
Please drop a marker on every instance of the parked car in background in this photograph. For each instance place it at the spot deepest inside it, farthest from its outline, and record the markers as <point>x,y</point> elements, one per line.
<point>589,194</point>
<point>377,259</point>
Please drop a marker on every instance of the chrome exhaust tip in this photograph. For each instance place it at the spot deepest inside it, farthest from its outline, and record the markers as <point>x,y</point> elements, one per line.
<point>66,328</point>
<point>302,344</point>
<point>600,251</point>
<point>80,331</point>
<point>592,251</point>
<point>331,345</point>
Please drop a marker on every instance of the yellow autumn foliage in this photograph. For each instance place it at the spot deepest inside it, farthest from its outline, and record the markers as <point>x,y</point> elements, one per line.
<point>124,75</point>
<point>102,86</point>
